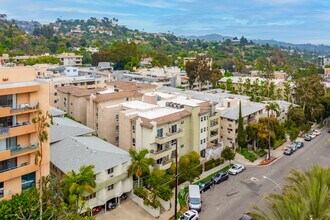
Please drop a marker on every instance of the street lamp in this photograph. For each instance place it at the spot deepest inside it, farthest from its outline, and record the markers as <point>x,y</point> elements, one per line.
<point>277,184</point>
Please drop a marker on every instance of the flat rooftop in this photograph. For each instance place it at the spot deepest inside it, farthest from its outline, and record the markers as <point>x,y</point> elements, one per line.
<point>18,84</point>
<point>139,105</point>
<point>159,112</point>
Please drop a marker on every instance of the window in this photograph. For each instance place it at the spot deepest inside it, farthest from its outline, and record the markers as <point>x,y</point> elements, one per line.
<point>28,180</point>
<point>8,164</point>
<point>133,141</point>
<point>55,93</point>
<point>182,146</point>
<point>174,128</point>
<point>117,139</point>
<point>55,101</point>
<point>202,119</point>
<point>127,99</point>
<point>201,141</point>
<point>133,128</point>
<point>160,132</point>
<point>202,130</point>
<point>117,128</point>
<point>110,187</point>
<point>1,190</point>
<point>97,126</point>
<point>110,171</point>
<point>117,117</point>
<point>182,122</point>
<point>90,196</point>
<point>173,142</point>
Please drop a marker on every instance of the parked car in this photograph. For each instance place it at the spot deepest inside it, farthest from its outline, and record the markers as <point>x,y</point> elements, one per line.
<point>190,215</point>
<point>246,217</point>
<point>299,144</point>
<point>123,197</point>
<point>205,185</point>
<point>111,204</point>
<point>288,151</point>
<point>96,210</point>
<point>235,169</point>
<point>312,135</point>
<point>294,147</point>
<point>307,138</point>
<point>219,177</point>
<point>317,132</point>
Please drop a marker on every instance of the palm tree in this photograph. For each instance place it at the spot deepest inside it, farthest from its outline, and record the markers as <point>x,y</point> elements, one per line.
<point>78,184</point>
<point>140,164</point>
<point>306,196</point>
<point>271,107</point>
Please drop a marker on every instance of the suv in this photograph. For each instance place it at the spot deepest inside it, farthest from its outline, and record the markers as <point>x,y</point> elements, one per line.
<point>189,215</point>
<point>205,185</point>
<point>219,177</point>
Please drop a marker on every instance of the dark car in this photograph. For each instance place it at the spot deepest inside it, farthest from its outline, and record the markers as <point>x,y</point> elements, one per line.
<point>299,144</point>
<point>219,177</point>
<point>96,210</point>
<point>111,204</point>
<point>288,151</point>
<point>307,138</point>
<point>205,185</point>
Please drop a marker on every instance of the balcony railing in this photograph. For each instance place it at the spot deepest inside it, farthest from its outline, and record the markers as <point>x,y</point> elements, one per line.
<point>25,107</point>
<point>214,124</point>
<point>14,167</point>
<point>22,148</point>
<point>4,130</point>
<point>166,148</point>
<point>169,134</point>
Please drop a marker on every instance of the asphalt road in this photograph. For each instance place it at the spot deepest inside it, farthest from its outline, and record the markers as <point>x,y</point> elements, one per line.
<point>230,199</point>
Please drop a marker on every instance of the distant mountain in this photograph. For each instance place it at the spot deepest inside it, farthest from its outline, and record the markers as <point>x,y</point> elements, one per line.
<point>28,26</point>
<point>308,47</point>
<point>209,37</point>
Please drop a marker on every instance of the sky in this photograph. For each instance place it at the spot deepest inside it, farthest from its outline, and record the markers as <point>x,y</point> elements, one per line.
<point>294,21</point>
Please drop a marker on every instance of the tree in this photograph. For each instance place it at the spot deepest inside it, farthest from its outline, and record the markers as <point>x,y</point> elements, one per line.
<point>229,84</point>
<point>306,196</point>
<point>252,133</point>
<point>309,92</point>
<point>187,165</point>
<point>140,164</point>
<point>76,185</point>
<point>199,70</point>
<point>216,75</point>
<point>271,107</point>
<point>287,91</point>
<point>279,94</point>
<point>41,122</point>
<point>241,136</point>
<point>228,154</point>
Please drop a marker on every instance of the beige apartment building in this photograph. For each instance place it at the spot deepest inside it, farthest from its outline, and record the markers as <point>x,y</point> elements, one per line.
<point>121,85</point>
<point>229,114</point>
<point>70,59</point>
<point>73,100</point>
<point>98,117</point>
<point>21,97</point>
<point>181,123</point>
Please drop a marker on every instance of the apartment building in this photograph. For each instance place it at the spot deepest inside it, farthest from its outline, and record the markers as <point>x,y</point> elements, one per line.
<point>121,85</point>
<point>21,97</point>
<point>72,100</point>
<point>95,81</point>
<point>284,107</point>
<point>229,114</point>
<point>180,122</point>
<point>73,146</point>
<point>70,59</point>
<point>104,124</point>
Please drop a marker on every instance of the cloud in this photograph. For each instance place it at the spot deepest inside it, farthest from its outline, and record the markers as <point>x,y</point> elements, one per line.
<point>86,11</point>
<point>151,4</point>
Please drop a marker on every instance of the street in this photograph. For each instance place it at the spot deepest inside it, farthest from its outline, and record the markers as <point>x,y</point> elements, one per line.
<point>230,199</point>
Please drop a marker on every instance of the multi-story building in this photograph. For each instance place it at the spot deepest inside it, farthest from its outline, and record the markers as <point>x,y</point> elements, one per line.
<point>70,59</point>
<point>121,85</point>
<point>229,114</point>
<point>21,97</point>
<point>73,146</point>
<point>82,81</point>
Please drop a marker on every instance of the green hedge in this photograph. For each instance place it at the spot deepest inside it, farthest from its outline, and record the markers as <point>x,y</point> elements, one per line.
<point>260,153</point>
<point>213,163</point>
<point>278,143</point>
<point>248,155</point>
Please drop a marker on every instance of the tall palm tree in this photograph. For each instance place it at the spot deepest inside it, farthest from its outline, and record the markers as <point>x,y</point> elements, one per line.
<point>306,196</point>
<point>271,107</point>
<point>140,164</point>
<point>78,184</point>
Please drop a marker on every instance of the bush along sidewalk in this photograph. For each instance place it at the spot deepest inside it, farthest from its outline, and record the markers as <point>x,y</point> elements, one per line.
<point>247,154</point>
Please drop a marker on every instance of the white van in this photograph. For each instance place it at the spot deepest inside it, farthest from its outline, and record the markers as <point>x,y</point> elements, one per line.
<point>195,200</point>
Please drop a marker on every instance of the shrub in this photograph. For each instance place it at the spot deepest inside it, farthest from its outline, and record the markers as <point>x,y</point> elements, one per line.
<point>248,155</point>
<point>278,143</point>
<point>141,192</point>
<point>261,152</point>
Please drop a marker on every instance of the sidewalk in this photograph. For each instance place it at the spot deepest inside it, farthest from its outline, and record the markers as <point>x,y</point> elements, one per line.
<point>277,153</point>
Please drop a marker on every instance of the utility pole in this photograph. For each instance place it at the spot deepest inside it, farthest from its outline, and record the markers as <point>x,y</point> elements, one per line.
<point>176,180</point>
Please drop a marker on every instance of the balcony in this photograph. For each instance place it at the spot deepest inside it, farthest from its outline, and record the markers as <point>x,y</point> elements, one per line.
<point>170,136</point>
<point>20,129</point>
<point>165,165</point>
<point>167,150</point>
<point>212,124</point>
<point>22,149</point>
<point>17,171</point>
